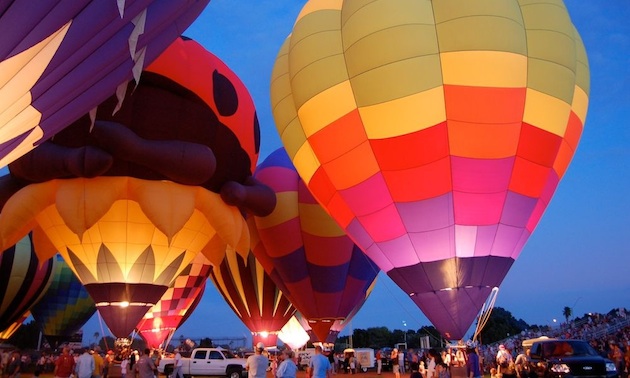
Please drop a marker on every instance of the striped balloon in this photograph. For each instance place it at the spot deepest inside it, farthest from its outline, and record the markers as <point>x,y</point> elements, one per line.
<point>23,280</point>
<point>253,296</point>
<point>10,330</point>
<point>434,132</point>
<point>324,274</point>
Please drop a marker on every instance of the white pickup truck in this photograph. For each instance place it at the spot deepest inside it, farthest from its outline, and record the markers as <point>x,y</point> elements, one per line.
<point>207,362</point>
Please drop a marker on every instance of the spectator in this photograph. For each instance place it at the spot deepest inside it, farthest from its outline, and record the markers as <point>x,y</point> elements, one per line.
<point>85,365</point>
<point>287,368</point>
<point>14,366</point>
<point>65,365</point>
<point>319,366</point>
<point>257,363</point>
<point>144,367</point>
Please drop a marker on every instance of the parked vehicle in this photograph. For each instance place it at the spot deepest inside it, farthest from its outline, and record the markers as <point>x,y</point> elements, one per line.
<point>365,358</point>
<point>304,357</point>
<point>207,362</point>
<point>560,358</point>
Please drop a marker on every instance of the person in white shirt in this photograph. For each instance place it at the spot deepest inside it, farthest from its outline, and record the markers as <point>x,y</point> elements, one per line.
<point>177,369</point>
<point>257,364</point>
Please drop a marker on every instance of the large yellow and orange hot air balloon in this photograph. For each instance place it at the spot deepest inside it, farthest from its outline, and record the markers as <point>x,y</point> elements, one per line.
<point>434,132</point>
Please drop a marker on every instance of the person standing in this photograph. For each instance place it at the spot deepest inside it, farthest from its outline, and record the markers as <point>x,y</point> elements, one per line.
<point>395,364</point>
<point>64,366</point>
<point>379,362</point>
<point>178,364</point>
<point>124,364</point>
<point>473,365</point>
<point>257,363</point>
<point>431,363</point>
<point>144,367</point>
<point>85,365</point>
<point>98,364</point>
<point>107,362</point>
<point>414,368</point>
<point>319,366</point>
<point>14,366</point>
<point>287,368</point>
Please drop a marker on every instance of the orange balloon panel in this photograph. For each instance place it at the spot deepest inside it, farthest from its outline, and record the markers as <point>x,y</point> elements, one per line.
<point>126,239</point>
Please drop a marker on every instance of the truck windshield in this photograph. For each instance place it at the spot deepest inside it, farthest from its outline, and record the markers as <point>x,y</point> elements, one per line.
<point>229,354</point>
<point>568,348</point>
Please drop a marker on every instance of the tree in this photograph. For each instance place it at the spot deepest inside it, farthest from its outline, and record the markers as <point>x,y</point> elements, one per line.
<point>500,325</point>
<point>567,312</point>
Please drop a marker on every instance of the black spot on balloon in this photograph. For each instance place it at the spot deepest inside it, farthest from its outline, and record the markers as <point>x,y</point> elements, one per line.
<point>225,96</point>
<point>256,133</point>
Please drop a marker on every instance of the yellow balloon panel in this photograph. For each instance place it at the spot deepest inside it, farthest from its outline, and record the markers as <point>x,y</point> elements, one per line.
<point>140,231</point>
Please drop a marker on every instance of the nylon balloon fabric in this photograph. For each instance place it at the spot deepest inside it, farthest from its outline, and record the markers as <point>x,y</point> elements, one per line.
<point>23,280</point>
<point>434,132</point>
<point>59,60</point>
<point>324,274</point>
<point>253,296</point>
<point>64,307</point>
<point>176,304</point>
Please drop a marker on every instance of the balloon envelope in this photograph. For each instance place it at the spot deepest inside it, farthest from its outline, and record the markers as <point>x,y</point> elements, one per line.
<point>306,253</point>
<point>59,60</point>
<point>10,330</point>
<point>126,239</point>
<point>128,233</point>
<point>23,280</point>
<point>253,296</point>
<point>434,134</point>
<point>64,307</point>
<point>176,304</point>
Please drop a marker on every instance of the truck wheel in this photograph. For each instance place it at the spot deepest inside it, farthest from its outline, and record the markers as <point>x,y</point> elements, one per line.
<point>233,373</point>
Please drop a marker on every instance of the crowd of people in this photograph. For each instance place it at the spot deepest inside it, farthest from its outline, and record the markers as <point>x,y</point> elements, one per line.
<point>83,363</point>
<point>609,334</point>
<point>285,365</point>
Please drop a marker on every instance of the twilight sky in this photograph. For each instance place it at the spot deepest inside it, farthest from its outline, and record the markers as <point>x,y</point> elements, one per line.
<point>578,256</point>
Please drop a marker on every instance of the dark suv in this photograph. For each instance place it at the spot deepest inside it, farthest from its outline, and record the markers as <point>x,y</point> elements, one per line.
<point>557,358</point>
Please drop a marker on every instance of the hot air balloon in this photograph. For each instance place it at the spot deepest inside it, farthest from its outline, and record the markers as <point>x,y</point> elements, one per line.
<point>306,253</point>
<point>179,301</point>
<point>10,330</point>
<point>253,296</point>
<point>190,120</point>
<point>64,307</point>
<point>435,134</point>
<point>130,231</point>
<point>23,280</point>
<point>59,60</point>
<point>337,326</point>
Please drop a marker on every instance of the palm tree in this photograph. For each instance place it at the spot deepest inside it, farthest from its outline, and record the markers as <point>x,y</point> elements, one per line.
<point>567,312</point>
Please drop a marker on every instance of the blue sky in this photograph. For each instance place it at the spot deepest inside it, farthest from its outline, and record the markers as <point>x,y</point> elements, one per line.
<point>579,255</point>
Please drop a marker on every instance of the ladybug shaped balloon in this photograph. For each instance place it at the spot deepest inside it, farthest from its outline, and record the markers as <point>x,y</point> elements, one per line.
<point>189,120</point>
